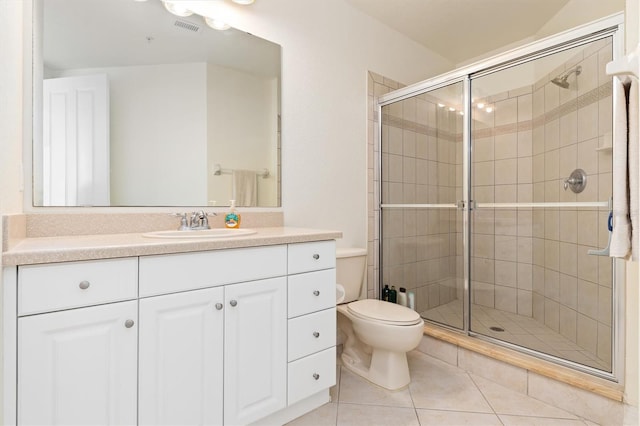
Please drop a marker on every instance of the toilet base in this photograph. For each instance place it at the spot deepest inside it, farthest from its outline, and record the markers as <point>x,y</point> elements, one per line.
<point>386,369</point>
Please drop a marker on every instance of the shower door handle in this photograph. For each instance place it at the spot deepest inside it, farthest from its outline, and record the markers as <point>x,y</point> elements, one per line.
<point>604,251</point>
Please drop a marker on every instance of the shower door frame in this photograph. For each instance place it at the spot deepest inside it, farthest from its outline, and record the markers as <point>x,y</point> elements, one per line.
<point>611,26</point>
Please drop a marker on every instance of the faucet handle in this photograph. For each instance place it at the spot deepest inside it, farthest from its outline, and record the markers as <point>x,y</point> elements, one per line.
<point>184,225</point>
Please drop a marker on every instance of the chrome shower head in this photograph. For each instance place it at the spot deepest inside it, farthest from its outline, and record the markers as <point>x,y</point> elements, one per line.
<point>561,80</point>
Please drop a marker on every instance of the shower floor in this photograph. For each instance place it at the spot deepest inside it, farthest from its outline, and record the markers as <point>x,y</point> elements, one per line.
<point>518,330</point>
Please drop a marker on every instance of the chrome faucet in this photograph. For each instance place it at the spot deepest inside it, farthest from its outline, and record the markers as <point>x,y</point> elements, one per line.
<point>199,220</point>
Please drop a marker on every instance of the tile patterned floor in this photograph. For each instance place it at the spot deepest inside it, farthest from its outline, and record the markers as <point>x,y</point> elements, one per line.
<point>519,330</point>
<point>439,394</point>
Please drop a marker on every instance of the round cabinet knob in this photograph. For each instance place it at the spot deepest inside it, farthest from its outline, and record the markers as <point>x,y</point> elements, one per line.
<point>128,323</point>
<point>233,303</point>
<point>316,256</point>
<point>316,292</point>
<point>218,306</point>
<point>316,376</point>
<point>84,285</point>
<point>316,334</point>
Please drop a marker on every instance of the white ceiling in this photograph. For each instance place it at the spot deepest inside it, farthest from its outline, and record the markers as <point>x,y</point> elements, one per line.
<point>460,30</point>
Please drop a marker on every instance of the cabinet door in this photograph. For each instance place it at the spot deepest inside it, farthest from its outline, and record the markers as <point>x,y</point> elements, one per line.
<point>255,354</point>
<point>181,358</point>
<point>78,367</point>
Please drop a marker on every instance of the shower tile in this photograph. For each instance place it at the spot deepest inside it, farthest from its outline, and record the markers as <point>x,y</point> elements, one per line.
<point>538,222</point>
<point>525,303</point>
<point>552,224</point>
<point>569,129</point>
<point>552,285</point>
<point>506,146</point>
<point>588,157</point>
<point>538,168</point>
<point>605,183</point>
<point>538,139</point>
<point>569,226</point>
<point>525,143</point>
<point>587,265</point>
<point>505,194</point>
<point>552,190</point>
<point>604,271</point>
<point>588,122</point>
<point>506,112</point>
<point>525,193</point>
<point>552,164</point>
<point>506,299</point>
<point>588,78</point>
<point>569,259</point>
<point>409,143</point>
<point>568,323</point>
<point>587,221</point>
<point>525,170</point>
<point>506,274</point>
<point>538,307</point>
<point>506,247</point>
<point>408,193</point>
<point>587,333</point>
<point>604,343</point>
<point>551,97</point>
<point>483,173</point>
<point>525,223</point>
<point>395,141</point>
<point>551,135</point>
<point>568,160</point>
<point>552,315</point>
<point>394,170</point>
<point>506,222</point>
<point>538,251</point>
<point>525,276</point>
<point>525,105</point>
<point>483,149</point>
<point>506,171</point>
<point>483,294</point>
<point>588,299</point>
<point>569,291</point>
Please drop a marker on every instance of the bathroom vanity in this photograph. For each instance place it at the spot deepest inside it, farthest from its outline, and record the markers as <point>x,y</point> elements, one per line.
<point>120,329</point>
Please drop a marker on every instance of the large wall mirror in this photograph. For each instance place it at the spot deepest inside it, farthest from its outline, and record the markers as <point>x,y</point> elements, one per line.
<point>135,106</point>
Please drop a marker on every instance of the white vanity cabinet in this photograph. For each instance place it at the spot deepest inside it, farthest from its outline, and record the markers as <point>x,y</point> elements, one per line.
<point>229,336</point>
<point>77,366</point>
<point>215,350</point>
<point>312,319</point>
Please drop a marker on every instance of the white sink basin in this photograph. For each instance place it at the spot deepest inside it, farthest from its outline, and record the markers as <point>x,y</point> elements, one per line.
<point>201,234</point>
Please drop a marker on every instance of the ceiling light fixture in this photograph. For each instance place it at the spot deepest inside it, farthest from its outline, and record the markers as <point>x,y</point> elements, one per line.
<point>440,105</point>
<point>177,9</point>
<point>243,2</point>
<point>452,109</point>
<point>489,109</point>
<point>480,105</point>
<point>217,24</point>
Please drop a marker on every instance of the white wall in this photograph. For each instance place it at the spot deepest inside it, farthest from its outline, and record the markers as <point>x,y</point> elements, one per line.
<point>241,131</point>
<point>149,148</point>
<point>327,49</point>
<point>578,12</point>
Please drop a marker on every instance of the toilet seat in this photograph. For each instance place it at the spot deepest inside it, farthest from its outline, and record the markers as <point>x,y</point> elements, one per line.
<point>384,312</point>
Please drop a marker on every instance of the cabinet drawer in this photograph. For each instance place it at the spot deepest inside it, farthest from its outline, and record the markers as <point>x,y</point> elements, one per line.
<point>189,271</point>
<point>50,287</point>
<point>312,333</point>
<point>311,292</point>
<point>311,374</point>
<point>312,256</point>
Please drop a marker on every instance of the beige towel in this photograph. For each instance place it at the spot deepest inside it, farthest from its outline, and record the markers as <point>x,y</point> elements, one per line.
<point>621,238</point>
<point>245,188</point>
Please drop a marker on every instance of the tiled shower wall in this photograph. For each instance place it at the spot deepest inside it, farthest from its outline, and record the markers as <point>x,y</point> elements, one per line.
<point>572,291</point>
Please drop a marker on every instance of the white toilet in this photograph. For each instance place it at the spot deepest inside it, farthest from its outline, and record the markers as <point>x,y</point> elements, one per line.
<point>377,334</point>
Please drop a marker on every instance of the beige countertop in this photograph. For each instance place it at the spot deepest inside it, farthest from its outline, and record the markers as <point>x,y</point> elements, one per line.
<point>89,247</point>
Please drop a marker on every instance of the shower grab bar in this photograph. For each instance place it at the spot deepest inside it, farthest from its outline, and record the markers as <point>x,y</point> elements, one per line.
<point>419,206</point>
<point>541,205</point>
<point>605,251</point>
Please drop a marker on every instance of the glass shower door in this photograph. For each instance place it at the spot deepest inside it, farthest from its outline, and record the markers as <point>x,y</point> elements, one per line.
<point>422,182</point>
<point>541,185</point>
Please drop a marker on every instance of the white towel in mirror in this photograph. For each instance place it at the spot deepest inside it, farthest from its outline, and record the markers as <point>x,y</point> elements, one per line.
<point>245,188</point>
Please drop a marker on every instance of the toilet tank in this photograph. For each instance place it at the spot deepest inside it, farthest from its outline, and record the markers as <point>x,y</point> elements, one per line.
<point>351,268</point>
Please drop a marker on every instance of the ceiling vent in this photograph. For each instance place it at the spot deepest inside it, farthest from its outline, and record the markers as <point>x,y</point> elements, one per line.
<point>188,26</point>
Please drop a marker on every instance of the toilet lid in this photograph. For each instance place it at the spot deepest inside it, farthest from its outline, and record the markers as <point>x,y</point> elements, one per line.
<point>386,312</point>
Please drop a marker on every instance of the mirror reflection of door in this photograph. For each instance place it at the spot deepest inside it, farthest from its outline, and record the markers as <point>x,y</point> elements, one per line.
<point>76,141</point>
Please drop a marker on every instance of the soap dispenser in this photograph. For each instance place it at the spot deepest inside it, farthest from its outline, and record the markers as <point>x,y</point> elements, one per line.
<point>232,219</point>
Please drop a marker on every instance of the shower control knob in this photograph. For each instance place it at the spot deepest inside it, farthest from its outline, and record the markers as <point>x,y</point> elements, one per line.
<point>316,334</point>
<point>316,292</point>
<point>316,376</point>
<point>316,256</point>
<point>218,306</point>
<point>233,303</point>
<point>84,285</point>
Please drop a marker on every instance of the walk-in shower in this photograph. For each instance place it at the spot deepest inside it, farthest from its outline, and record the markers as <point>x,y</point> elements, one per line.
<point>478,214</point>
